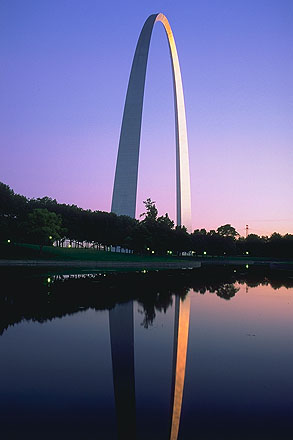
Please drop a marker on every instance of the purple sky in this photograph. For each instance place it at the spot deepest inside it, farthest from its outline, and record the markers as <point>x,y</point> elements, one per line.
<point>64,72</point>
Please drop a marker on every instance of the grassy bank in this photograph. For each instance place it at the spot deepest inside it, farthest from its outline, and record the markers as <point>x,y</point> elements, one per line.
<point>32,252</point>
<point>27,252</point>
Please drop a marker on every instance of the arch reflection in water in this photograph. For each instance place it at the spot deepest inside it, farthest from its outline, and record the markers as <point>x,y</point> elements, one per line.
<point>122,350</point>
<point>181,328</point>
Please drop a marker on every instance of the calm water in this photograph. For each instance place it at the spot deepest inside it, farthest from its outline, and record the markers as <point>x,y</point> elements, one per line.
<point>201,354</point>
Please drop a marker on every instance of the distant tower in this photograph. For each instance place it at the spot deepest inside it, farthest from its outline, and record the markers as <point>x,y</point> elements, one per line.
<point>246,231</point>
<point>125,183</point>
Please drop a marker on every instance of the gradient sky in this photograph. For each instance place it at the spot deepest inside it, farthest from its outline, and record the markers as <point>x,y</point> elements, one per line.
<point>64,72</point>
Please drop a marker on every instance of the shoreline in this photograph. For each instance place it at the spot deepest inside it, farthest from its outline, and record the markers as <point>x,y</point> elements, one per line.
<point>101,264</point>
<point>179,264</point>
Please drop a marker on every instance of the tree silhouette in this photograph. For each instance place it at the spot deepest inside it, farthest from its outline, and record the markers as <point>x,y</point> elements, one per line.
<point>227,231</point>
<point>43,227</point>
<point>151,213</point>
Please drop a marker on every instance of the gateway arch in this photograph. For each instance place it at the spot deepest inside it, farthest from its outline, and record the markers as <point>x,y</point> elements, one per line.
<point>125,183</point>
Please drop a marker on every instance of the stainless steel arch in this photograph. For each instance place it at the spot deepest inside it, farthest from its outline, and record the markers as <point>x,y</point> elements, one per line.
<point>125,183</point>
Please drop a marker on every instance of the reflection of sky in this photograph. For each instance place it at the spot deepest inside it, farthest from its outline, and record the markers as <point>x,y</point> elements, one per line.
<point>239,364</point>
<point>56,378</point>
<point>63,82</point>
<point>58,374</point>
<point>153,373</point>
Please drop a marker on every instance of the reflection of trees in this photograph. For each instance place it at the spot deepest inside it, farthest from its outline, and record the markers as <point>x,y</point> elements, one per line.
<point>35,298</point>
<point>227,291</point>
<point>160,302</point>
<point>45,300</point>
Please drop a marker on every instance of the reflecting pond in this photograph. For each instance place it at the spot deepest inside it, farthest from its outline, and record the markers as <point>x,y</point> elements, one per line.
<point>195,354</point>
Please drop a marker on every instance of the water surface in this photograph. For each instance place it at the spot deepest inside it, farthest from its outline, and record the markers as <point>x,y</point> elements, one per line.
<point>201,354</point>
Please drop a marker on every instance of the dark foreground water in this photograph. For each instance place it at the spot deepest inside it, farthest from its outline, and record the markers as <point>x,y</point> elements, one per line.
<point>198,354</point>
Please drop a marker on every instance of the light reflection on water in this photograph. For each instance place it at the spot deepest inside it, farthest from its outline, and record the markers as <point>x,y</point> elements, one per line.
<point>71,377</point>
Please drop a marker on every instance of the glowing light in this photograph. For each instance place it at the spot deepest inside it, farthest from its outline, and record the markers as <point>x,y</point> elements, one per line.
<point>49,280</point>
<point>205,252</point>
<point>247,266</point>
<point>50,237</point>
<point>148,249</point>
<point>153,252</point>
<point>69,245</point>
<point>247,252</point>
<point>8,241</point>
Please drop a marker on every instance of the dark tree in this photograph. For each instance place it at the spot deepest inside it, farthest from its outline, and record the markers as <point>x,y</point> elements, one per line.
<point>151,213</point>
<point>43,227</point>
<point>227,231</point>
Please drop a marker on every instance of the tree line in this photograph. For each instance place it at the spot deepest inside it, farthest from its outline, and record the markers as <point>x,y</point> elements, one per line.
<point>44,221</point>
